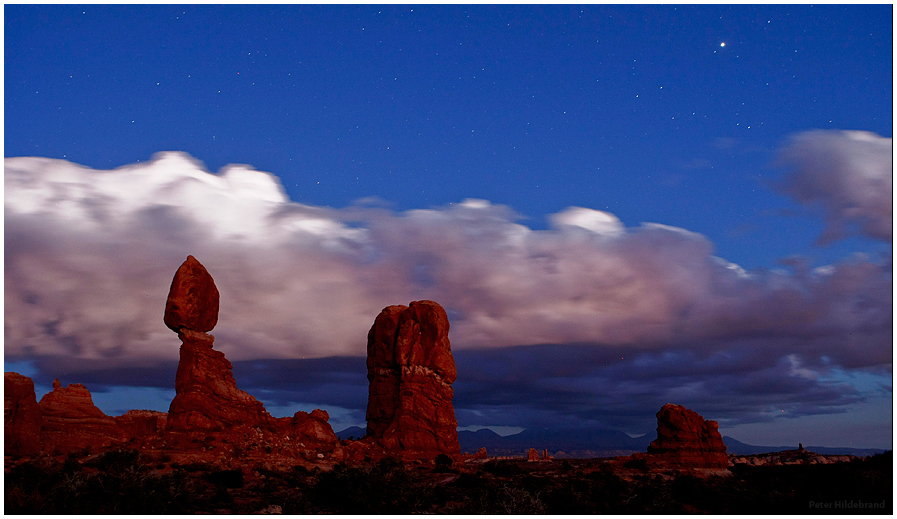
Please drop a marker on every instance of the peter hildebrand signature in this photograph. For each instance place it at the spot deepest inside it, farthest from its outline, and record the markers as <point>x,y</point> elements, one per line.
<point>848,505</point>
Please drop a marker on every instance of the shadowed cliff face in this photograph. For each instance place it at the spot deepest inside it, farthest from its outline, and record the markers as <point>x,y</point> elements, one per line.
<point>22,416</point>
<point>411,370</point>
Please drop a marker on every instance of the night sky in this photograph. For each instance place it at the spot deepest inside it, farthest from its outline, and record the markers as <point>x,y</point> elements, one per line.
<point>619,206</point>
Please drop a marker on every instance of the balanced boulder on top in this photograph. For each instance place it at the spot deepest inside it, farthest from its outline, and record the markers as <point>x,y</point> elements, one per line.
<point>192,300</point>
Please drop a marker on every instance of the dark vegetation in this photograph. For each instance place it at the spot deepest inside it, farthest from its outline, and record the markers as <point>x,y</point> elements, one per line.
<point>125,482</point>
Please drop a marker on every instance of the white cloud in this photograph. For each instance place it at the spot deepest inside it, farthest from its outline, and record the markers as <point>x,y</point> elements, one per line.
<point>597,222</point>
<point>849,174</point>
<point>90,256</point>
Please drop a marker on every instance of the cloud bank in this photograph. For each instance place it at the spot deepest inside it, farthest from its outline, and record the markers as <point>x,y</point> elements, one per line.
<point>848,174</point>
<point>536,315</point>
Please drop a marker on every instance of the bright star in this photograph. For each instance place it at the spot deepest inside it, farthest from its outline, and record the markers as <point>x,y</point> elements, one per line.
<point>723,44</point>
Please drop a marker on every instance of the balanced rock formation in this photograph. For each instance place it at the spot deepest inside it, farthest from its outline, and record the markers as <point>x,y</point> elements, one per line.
<point>192,299</point>
<point>207,397</point>
<point>22,417</point>
<point>411,371</point>
<point>686,440</point>
<point>72,421</point>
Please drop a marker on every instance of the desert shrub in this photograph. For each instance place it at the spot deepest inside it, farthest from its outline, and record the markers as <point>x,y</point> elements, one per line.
<point>502,468</point>
<point>117,461</point>
<point>293,502</point>
<point>567,500</point>
<point>885,460</point>
<point>193,466</point>
<point>297,476</point>
<point>637,463</point>
<point>444,463</point>
<point>120,486</point>
<point>648,495</point>
<point>385,488</point>
<point>518,501</point>
<point>467,481</point>
<point>227,478</point>
<point>27,486</point>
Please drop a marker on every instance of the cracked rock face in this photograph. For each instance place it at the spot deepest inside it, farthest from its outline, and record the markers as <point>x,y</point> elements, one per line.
<point>411,371</point>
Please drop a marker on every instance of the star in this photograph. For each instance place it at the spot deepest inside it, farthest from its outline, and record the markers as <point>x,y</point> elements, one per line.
<point>723,44</point>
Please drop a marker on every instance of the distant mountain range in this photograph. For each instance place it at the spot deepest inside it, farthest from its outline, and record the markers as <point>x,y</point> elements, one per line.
<point>593,443</point>
<point>561,443</point>
<point>734,446</point>
<point>354,433</point>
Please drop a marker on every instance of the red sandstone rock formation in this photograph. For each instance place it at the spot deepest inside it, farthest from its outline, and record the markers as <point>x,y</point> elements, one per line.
<point>22,417</point>
<point>313,426</point>
<point>142,423</point>
<point>532,455</point>
<point>481,454</point>
<point>192,299</point>
<point>72,421</point>
<point>207,397</point>
<point>411,369</point>
<point>686,440</point>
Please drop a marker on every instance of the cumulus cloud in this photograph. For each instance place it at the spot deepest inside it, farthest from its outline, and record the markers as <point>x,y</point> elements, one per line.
<point>538,317</point>
<point>848,174</point>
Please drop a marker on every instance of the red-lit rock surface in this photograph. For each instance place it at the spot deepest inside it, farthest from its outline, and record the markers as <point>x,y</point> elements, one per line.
<point>207,396</point>
<point>192,299</point>
<point>313,426</point>
<point>411,371</point>
<point>686,440</point>
<point>142,423</point>
<point>72,421</point>
<point>532,455</point>
<point>211,420</point>
<point>22,417</point>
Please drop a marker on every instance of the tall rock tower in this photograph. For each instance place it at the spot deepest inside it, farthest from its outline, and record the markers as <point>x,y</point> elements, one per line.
<point>411,371</point>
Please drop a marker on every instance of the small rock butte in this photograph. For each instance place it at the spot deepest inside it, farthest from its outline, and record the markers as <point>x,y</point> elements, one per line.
<point>685,439</point>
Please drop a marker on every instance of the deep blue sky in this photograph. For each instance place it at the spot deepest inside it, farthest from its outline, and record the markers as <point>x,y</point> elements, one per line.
<point>635,110</point>
<point>705,118</point>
